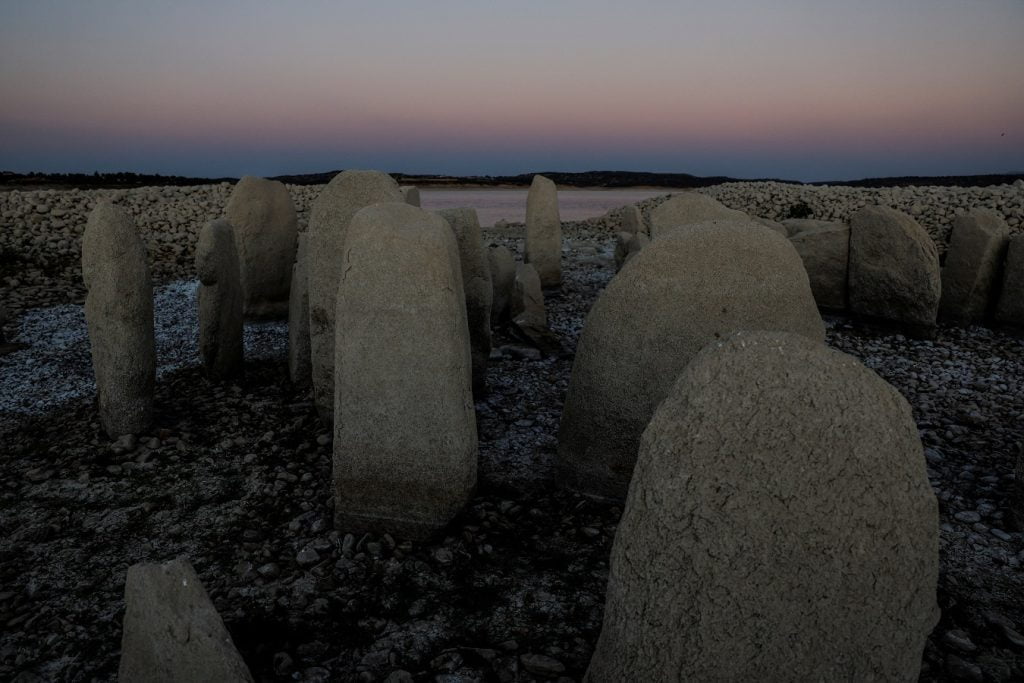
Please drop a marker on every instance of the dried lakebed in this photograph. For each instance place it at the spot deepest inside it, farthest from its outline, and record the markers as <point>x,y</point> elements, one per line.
<point>237,478</point>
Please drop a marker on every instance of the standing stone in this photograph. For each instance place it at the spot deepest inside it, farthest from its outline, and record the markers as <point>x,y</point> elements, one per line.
<point>299,369</point>
<point>687,208</point>
<point>544,231</point>
<point>684,290</point>
<point>263,216</point>
<point>172,632</point>
<point>894,269</point>
<point>528,300</point>
<point>220,300</point>
<point>1010,309</point>
<point>476,283</point>
<point>975,256</point>
<point>779,526</point>
<point>119,316</point>
<point>632,221</point>
<point>329,216</point>
<point>502,267</point>
<point>410,194</point>
<point>405,445</point>
<point>627,245</point>
<point>825,252</point>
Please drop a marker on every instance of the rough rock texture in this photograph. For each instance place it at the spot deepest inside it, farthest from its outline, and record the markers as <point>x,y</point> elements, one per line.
<point>1010,309</point>
<point>172,631</point>
<point>974,261</point>
<point>347,193</point>
<point>689,207</point>
<point>119,314</point>
<point>894,269</point>
<point>627,245</point>
<point>686,289</point>
<point>795,226</point>
<point>779,526</point>
<point>631,220</point>
<point>299,368</point>
<point>220,300</point>
<point>771,225</point>
<point>544,231</point>
<point>263,216</point>
<point>405,448</point>
<point>502,267</point>
<point>528,299</point>
<point>411,193</point>
<point>1017,507</point>
<point>825,250</point>
<point>476,283</point>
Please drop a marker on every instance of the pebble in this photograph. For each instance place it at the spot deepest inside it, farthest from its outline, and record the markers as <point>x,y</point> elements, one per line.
<point>542,665</point>
<point>967,517</point>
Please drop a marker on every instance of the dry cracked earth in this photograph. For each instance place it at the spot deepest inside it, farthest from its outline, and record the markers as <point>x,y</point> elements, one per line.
<point>236,478</point>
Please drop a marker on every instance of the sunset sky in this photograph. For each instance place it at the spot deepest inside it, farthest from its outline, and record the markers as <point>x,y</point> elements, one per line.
<point>807,90</point>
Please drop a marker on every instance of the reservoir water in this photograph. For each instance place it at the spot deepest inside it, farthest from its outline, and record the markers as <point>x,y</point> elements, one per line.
<point>500,204</point>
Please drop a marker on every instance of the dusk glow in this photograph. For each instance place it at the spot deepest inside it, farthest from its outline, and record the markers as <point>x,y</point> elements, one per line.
<point>803,90</point>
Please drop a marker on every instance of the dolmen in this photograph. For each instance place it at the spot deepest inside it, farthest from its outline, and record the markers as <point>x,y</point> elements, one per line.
<point>172,632</point>
<point>894,272</point>
<point>544,231</point>
<point>693,285</point>
<point>476,283</point>
<point>974,260</point>
<point>119,318</point>
<point>329,216</point>
<point>221,320</point>
<point>405,448</point>
<point>263,216</point>
<point>779,526</point>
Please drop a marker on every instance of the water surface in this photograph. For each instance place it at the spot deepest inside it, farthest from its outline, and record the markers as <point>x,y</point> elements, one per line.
<point>495,204</point>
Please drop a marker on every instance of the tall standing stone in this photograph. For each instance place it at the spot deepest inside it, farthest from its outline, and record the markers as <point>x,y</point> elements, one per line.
<point>119,316</point>
<point>263,216</point>
<point>172,631</point>
<point>631,220</point>
<point>411,194</point>
<point>684,290</point>
<point>220,301</point>
<point>779,526</point>
<point>329,216</point>
<point>1010,309</point>
<point>970,276</point>
<point>824,249</point>
<point>476,283</point>
<point>502,267</point>
<point>688,208</point>
<point>544,231</point>
<point>299,369</point>
<point>404,428</point>
<point>894,269</point>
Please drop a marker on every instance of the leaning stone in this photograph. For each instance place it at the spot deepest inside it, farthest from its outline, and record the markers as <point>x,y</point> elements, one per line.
<point>626,245</point>
<point>476,283</point>
<point>544,231</point>
<point>172,631</point>
<point>502,267</point>
<point>1010,309</point>
<point>970,275</point>
<point>329,216</point>
<point>220,300</point>
<point>632,220</point>
<point>119,317</point>
<point>405,448</point>
<point>411,194</point>
<point>299,369</point>
<point>779,526</point>
<point>825,252</point>
<point>684,290</point>
<point>687,208</point>
<point>263,216</point>
<point>894,269</point>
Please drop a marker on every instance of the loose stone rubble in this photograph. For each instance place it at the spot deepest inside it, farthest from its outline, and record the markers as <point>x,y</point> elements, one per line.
<point>119,314</point>
<point>405,446</point>
<point>265,224</point>
<point>770,467</point>
<point>221,300</point>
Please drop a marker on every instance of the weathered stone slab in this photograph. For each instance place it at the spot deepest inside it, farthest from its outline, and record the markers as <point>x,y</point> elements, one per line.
<point>544,231</point>
<point>825,251</point>
<point>220,301</point>
<point>974,261</point>
<point>1010,309</point>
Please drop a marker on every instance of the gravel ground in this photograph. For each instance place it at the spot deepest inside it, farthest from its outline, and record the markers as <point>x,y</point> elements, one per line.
<point>237,476</point>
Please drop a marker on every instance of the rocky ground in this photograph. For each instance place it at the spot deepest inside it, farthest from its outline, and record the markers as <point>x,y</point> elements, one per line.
<point>236,477</point>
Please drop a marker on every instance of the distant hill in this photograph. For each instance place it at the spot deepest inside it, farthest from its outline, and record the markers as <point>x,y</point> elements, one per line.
<point>32,181</point>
